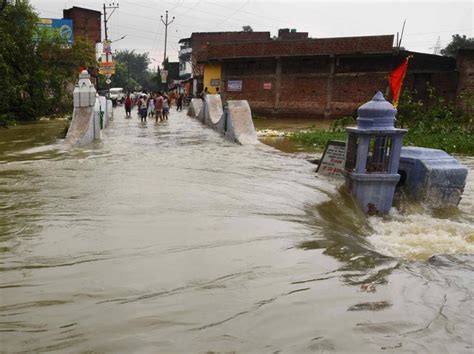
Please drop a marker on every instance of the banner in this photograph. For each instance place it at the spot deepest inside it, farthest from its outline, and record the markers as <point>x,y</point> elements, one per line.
<point>52,27</point>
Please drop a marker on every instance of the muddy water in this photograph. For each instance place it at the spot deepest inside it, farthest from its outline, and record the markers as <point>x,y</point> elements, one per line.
<point>166,238</point>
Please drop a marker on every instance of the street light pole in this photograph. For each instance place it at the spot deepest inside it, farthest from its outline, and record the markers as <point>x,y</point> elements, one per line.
<point>166,23</point>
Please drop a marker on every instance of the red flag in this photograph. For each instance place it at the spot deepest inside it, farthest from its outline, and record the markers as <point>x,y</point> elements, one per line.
<point>396,80</point>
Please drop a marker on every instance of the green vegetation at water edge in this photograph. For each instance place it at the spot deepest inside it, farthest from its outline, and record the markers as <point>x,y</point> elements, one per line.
<point>449,142</point>
<point>431,123</point>
<point>37,70</point>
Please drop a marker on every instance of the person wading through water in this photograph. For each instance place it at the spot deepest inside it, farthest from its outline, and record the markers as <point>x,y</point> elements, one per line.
<point>142,108</point>
<point>128,105</point>
<point>166,107</point>
<point>159,107</point>
<point>151,105</point>
<point>179,102</point>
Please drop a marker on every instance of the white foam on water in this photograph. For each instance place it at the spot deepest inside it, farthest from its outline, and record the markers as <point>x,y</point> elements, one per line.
<point>419,236</point>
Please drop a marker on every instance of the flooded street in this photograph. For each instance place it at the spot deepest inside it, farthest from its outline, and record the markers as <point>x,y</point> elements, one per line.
<point>167,238</point>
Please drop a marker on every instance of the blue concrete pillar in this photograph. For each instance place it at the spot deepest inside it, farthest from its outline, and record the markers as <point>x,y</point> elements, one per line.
<point>374,175</point>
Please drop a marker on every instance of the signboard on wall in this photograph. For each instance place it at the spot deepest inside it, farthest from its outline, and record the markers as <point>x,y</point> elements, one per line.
<point>234,85</point>
<point>333,159</point>
<point>215,82</point>
<point>51,27</point>
<point>267,85</point>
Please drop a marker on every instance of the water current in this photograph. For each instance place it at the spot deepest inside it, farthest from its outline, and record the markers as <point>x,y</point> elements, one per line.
<point>167,238</point>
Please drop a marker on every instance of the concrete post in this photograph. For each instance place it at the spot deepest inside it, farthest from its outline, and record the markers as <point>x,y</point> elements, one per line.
<point>84,94</point>
<point>329,86</point>
<point>276,105</point>
<point>373,179</point>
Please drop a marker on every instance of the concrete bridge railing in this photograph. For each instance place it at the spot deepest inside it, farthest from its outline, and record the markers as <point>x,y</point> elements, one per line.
<point>91,114</point>
<point>234,121</point>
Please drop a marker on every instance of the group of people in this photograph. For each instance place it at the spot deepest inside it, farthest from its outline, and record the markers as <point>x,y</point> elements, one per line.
<point>153,105</point>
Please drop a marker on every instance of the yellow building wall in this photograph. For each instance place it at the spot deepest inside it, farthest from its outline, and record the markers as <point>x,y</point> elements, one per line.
<point>212,72</point>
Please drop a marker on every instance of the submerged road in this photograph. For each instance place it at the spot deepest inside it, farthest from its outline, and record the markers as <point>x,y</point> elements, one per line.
<point>167,238</point>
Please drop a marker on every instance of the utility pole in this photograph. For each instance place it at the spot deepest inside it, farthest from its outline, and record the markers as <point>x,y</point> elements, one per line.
<point>112,6</point>
<point>166,23</point>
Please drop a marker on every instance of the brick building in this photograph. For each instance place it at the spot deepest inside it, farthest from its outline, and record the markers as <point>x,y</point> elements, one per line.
<point>331,77</point>
<point>192,71</point>
<point>465,89</point>
<point>86,22</point>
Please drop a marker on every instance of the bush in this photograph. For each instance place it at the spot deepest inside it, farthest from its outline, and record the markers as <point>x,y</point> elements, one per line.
<point>432,123</point>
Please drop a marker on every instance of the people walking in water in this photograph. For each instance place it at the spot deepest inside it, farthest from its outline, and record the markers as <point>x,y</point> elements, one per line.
<point>179,102</point>
<point>142,108</point>
<point>159,107</point>
<point>151,105</point>
<point>128,105</point>
<point>166,107</point>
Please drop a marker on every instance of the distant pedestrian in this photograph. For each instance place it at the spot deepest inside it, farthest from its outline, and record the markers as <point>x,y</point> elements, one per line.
<point>159,107</point>
<point>204,93</point>
<point>128,105</point>
<point>179,102</point>
<point>151,106</point>
<point>166,107</point>
<point>142,109</point>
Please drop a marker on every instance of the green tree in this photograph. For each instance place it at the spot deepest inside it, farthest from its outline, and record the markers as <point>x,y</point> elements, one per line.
<point>131,70</point>
<point>37,71</point>
<point>457,43</point>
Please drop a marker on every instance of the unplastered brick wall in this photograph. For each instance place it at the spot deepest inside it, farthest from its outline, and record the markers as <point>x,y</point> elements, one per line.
<point>332,85</point>
<point>346,45</point>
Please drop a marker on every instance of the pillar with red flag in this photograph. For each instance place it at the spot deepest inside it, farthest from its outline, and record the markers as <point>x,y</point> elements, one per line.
<point>395,80</point>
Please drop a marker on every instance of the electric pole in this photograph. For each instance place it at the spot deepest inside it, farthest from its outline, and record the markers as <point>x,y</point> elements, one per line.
<point>112,6</point>
<point>166,23</point>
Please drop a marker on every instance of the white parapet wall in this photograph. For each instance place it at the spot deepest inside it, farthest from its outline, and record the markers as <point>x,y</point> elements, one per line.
<point>110,110</point>
<point>195,107</point>
<point>235,122</point>
<point>214,113</point>
<point>85,124</point>
<point>84,127</point>
<point>238,123</point>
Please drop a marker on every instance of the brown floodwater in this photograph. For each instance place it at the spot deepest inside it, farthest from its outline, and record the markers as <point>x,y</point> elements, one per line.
<point>167,238</point>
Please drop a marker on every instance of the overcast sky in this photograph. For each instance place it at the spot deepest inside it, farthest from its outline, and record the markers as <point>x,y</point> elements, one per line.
<point>140,21</point>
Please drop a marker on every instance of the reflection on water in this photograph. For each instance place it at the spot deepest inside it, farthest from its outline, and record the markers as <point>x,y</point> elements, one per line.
<point>166,238</point>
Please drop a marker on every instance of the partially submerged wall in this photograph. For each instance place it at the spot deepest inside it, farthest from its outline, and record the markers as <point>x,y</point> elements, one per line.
<point>85,126</point>
<point>195,107</point>
<point>238,124</point>
<point>235,122</point>
<point>87,123</point>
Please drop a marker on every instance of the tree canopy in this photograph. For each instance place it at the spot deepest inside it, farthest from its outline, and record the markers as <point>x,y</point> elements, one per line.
<point>457,43</point>
<point>131,72</point>
<point>247,28</point>
<point>37,71</point>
